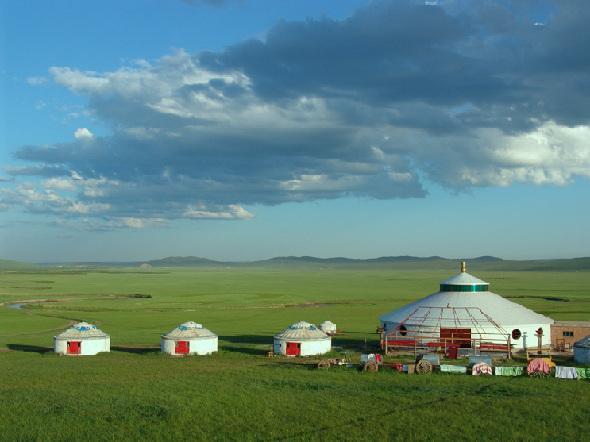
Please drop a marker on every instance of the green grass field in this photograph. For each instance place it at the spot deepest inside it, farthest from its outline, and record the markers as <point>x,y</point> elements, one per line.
<point>136,393</point>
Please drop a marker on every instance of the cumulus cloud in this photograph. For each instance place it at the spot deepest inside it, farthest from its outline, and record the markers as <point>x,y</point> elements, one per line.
<point>462,93</point>
<point>83,133</point>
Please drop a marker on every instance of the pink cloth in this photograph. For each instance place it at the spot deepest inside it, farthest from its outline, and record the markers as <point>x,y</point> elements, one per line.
<point>538,366</point>
<point>481,368</point>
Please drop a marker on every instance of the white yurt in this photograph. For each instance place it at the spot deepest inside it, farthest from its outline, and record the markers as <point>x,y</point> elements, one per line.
<point>302,339</point>
<point>582,351</point>
<point>82,339</point>
<point>328,327</point>
<point>465,312</point>
<point>189,338</point>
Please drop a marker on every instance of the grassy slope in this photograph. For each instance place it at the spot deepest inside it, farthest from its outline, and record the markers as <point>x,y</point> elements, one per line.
<point>240,392</point>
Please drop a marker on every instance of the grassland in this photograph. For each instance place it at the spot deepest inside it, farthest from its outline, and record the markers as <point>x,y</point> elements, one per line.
<point>136,393</point>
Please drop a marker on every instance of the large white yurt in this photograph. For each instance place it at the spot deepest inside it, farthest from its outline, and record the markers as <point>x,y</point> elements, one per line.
<point>302,339</point>
<point>582,351</point>
<point>189,338</point>
<point>82,339</point>
<point>464,312</point>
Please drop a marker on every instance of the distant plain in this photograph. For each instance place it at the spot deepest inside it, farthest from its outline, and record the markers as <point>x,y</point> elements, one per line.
<point>136,393</point>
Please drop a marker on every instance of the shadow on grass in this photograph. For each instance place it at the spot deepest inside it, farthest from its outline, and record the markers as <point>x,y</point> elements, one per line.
<point>247,350</point>
<point>135,350</point>
<point>30,348</point>
<point>245,340</point>
<point>248,339</point>
<point>359,345</point>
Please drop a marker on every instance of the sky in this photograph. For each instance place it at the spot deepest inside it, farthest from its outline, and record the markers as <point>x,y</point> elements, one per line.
<point>247,129</point>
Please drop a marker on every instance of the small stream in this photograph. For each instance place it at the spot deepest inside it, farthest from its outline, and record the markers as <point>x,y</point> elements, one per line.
<point>16,306</point>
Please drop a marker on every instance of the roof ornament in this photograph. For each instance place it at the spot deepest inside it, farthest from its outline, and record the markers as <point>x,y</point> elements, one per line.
<point>463,266</point>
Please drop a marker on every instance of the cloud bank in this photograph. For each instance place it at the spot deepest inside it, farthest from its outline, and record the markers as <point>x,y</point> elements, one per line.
<point>458,93</point>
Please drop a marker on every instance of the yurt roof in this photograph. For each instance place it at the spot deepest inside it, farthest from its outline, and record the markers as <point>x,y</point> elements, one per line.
<point>464,278</point>
<point>583,343</point>
<point>302,331</point>
<point>190,330</point>
<point>453,303</point>
<point>82,330</point>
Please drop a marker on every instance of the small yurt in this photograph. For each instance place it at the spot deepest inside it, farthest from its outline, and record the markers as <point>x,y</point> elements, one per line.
<point>302,339</point>
<point>465,312</point>
<point>328,327</point>
<point>189,338</point>
<point>82,339</point>
<point>582,351</point>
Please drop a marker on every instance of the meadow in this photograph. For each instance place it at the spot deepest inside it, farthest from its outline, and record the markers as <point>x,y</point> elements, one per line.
<point>136,393</point>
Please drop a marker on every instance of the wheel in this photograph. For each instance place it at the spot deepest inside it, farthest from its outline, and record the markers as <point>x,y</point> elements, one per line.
<point>423,367</point>
<point>324,363</point>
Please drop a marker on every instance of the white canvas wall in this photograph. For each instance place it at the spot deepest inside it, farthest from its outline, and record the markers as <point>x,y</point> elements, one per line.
<point>492,333</point>
<point>308,348</point>
<point>196,346</point>
<point>89,347</point>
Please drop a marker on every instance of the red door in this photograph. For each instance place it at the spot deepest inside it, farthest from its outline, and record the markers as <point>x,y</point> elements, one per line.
<point>182,347</point>
<point>456,336</point>
<point>74,347</point>
<point>293,348</point>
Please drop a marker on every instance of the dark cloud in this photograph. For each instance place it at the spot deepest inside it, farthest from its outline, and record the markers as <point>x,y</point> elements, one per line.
<point>463,93</point>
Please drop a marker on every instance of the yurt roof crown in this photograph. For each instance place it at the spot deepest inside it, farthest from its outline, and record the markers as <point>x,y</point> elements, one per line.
<point>302,331</point>
<point>464,282</point>
<point>188,330</point>
<point>82,330</point>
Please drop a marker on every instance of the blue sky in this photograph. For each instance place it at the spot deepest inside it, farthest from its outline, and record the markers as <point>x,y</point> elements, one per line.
<point>251,129</point>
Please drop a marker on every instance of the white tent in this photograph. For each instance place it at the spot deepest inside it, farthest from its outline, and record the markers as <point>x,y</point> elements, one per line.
<point>328,327</point>
<point>302,339</point>
<point>582,351</point>
<point>189,338</point>
<point>464,308</point>
<point>82,339</point>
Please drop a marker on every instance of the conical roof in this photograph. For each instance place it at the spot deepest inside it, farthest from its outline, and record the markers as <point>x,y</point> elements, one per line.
<point>302,331</point>
<point>583,343</point>
<point>189,330</point>
<point>82,330</point>
<point>463,299</point>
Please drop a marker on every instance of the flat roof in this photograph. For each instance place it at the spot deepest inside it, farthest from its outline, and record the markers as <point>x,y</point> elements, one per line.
<point>572,323</point>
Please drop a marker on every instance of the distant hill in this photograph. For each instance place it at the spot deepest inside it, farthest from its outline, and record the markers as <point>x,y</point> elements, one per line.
<point>184,261</point>
<point>481,263</point>
<point>9,265</point>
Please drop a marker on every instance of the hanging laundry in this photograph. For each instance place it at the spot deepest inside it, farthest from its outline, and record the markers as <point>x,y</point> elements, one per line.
<point>566,372</point>
<point>583,373</point>
<point>508,371</point>
<point>447,368</point>
<point>538,366</point>
<point>481,369</point>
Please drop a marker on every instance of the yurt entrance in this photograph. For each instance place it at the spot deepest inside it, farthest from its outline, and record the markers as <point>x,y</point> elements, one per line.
<point>182,347</point>
<point>456,336</point>
<point>74,347</point>
<point>293,348</point>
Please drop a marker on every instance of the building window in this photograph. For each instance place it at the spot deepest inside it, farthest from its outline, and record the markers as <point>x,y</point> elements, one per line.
<point>568,334</point>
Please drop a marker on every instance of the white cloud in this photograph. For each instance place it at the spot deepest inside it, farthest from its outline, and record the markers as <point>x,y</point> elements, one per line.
<point>36,81</point>
<point>83,133</point>
<point>232,211</point>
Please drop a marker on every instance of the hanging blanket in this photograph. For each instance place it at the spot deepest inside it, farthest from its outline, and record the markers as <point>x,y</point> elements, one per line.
<point>583,373</point>
<point>538,366</point>
<point>481,369</point>
<point>508,371</point>
<point>566,372</point>
<point>446,368</point>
